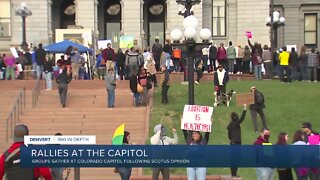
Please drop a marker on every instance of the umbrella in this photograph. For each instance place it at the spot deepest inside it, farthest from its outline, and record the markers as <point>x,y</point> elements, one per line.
<point>118,135</point>
<point>61,47</point>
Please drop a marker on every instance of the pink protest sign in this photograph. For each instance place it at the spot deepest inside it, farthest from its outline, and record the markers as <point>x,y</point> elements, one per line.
<point>314,139</point>
<point>249,34</point>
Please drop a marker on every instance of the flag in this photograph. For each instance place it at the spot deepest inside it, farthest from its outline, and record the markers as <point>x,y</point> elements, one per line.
<point>117,138</point>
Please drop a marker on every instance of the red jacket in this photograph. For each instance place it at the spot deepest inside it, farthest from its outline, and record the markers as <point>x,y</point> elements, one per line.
<point>260,141</point>
<point>38,172</point>
<point>106,52</point>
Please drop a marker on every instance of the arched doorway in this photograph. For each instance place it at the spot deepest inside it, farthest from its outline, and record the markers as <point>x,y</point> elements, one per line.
<point>63,14</point>
<point>154,20</point>
<point>109,18</point>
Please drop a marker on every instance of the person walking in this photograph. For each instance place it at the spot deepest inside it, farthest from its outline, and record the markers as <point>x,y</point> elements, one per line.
<point>157,51</point>
<point>110,86</point>
<point>63,80</point>
<point>75,62</point>
<point>109,56</point>
<point>165,84</point>
<point>257,107</point>
<point>40,59</point>
<point>143,81</point>
<point>10,160</point>
<point>132,61</point>
<point>234,135</point>
<point>133,80</point>
<point>160,138</point>
<point>47,70</point>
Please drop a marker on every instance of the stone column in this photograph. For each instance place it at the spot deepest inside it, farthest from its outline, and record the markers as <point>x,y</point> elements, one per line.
<point>50,33</point>
<point>142,33</point>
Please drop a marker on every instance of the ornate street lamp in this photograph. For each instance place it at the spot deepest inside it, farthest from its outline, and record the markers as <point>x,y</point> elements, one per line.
<point>190,44</point>
<point>274,22</point>
<point>23,11</point>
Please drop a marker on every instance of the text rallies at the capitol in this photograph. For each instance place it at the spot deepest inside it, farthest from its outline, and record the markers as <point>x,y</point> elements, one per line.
<point>197,118</point>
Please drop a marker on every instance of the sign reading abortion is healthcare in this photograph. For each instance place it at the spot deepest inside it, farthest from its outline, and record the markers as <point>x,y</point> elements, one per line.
<point>197,118</point>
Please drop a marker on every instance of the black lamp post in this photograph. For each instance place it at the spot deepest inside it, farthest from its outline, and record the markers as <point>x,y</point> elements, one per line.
<point>189,44</point>
<point>23,11</point>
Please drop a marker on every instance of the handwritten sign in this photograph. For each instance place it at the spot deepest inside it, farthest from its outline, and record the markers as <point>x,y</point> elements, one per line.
<point>197,118</point>
<point>245,98</point>
<point>249,34</point>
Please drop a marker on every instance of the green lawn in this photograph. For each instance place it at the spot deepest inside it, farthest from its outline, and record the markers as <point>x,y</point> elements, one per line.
<point>287,106</point>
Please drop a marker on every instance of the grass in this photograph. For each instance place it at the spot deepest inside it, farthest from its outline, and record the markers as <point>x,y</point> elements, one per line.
<point>287,106</point>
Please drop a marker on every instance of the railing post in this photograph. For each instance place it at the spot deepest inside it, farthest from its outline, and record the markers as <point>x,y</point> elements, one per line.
<point>11,126</point>
<point>24,97</point>
<point>7,130</point>
<point>76,173</point>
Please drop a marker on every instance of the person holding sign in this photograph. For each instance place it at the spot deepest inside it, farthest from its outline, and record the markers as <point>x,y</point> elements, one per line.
<point>195,138</point>
<point>160,138</point>
<point>234,133</point>
<point>257,107</point>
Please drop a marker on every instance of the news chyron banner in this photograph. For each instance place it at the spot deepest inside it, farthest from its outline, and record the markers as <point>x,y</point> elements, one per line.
<point>52,151</point>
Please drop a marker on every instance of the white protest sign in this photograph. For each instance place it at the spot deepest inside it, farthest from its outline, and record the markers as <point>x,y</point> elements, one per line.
<point>14,52</point>
<point>102,44</point>
<point>66,140</point>
<point>197,118</point>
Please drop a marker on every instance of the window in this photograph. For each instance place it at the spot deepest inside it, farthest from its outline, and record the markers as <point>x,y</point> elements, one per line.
<point>219,17</point>
<point>310,30</point>
<point>5,19</point>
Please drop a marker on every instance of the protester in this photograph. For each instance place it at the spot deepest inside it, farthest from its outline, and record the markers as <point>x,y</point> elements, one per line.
<point>109,56</point>
<point>231,56</point>
<point>205,59</point>
<point>133,87</point>
<point>302,173</point>
<point>28,64</point>
<point>222,56</point>
<point>220,81</point>
<point>307,131</point>
<point>167,48</point>
<point>246,60</point>
<point>125,172</point>
<point>110,86</point>
<point>257,107</point>
<point>195,138</point>
<point>47,70</point>
<point>165,84</point>
<point>239,60</point>
<point>293,62</point>
<point>212,57</point>
<point>10,160</point>
<point>157,51</point>
<point>63,80</point>
<point>284,173</point>
<point>234,134</point>
<point>160,138</point>
<point>303,64</point>
<point>149,64</point>
<point>264,173</point>
<point>132,61</point>
<point>143,81</point>
<point>267,61</point>
<point>75,62</point>
<point>313,63</point>
<point>40,59</point>
<point>121,60</point>
<point>10,63</point>
<point>285,72</point>
<point>199,66</point>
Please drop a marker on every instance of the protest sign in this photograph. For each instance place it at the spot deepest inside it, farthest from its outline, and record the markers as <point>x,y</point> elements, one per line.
<point>14,52</point>
<point>314,139</point>
<point>245,98</point>
<point>197,118</point>
<point>249,34</point>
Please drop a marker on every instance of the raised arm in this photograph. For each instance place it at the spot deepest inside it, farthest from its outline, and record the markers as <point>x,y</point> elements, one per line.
<point>154,140</point>
<point>243,115</point>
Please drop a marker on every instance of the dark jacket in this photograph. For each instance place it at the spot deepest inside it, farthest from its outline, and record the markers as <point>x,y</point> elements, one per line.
<point>40,56</point>
<point>64,78</point>
<point>133,83</point>
<point>121,59</point>
<point>188,138</point>
<point>28,58</point>
<point>256,104</point>
<point>234,129</point>
<point>293,59</point>
<point>216,80</point>
<point>164,79</point>
<point>167,48</point>
<point>213,52</point>
<point>47,66</point>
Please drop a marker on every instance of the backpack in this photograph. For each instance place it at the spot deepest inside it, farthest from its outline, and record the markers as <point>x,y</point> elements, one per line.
<point>259,98</point>
<point>12,169</point>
